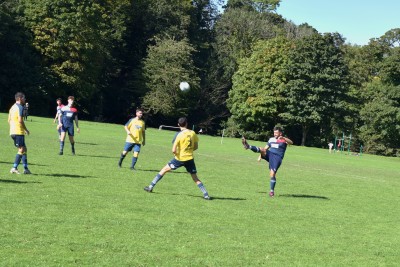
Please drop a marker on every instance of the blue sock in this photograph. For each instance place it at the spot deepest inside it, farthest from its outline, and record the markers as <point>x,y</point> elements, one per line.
<point>203,189</point>
<point>272,183</point>
<point>17,160</point>
<point>134,160</point>
<point>254,149</point>
<point>155,180</point>
<point>61,146</point>
<point>25,161</point>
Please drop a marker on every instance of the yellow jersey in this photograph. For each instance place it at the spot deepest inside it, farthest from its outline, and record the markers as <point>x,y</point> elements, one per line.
<point>14,115</point>
<point>136,128</point>
<point>185,142</point>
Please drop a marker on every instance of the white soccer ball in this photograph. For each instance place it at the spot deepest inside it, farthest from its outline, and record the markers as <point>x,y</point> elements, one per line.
<point>184,86</point>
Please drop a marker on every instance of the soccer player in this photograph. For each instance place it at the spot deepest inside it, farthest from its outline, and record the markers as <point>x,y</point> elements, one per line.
<point>273,152</point>
<point>18,131</point>
<point>67,115</point>
<point>59,107</point>
<point>185,143</point>
<point>136,137</point>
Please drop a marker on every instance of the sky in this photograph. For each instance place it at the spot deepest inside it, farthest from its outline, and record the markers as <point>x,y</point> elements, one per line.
<point>356,20</point>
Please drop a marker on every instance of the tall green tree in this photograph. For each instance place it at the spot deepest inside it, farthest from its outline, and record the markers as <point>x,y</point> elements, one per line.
<point>380,114</point>
<point>20,68</point>
<point>168,63</point>
<point>316,82</point>
<point>73,40</point>
<point>256,98</point>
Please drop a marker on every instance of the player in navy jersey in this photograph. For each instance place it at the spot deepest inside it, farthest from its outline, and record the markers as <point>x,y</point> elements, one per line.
<point>273,152</point>
<point>68,114</point>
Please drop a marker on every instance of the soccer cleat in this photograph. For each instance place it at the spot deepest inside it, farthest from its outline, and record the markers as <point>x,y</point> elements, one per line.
<point>119,165</point>
<point>245,144</point>
<point>132,168</point>
<point>14,170</point>
<point>27,171</point>
<point>148,189</point>
<point>271,194</point>
<point>207,197</point>
<point>60,153</point>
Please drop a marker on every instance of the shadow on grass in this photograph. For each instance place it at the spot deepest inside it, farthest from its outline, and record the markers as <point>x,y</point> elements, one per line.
<point>32,164</point>
<point>63,175</point>
<point>199,196</point>
<point>303,196</point>
<point>18,182</point>
<point>84,143</point>
<point>157,171</point>
<point>96,156</point>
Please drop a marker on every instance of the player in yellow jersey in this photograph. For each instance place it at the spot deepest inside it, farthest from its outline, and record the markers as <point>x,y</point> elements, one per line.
<point>18,131</point>
<point>186,142</point>
<point>136,137</point>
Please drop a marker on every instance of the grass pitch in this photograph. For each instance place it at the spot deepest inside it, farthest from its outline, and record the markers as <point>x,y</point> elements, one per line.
<point>329,209</point>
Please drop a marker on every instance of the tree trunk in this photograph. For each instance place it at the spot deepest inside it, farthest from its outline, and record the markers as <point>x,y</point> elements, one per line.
<point>305,129</point>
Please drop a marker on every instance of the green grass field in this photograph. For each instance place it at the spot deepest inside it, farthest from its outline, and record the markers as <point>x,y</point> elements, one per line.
<point>329,210</point>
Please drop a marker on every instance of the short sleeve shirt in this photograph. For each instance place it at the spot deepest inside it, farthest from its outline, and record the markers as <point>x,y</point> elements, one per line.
<point>16,111</point>
<point>136,128</point>
<point>277,146</point>
<point>184,142</point>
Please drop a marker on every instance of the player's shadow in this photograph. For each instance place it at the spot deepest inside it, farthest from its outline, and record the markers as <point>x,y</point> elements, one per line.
<point>30,163</point>
<point>89,144</point>
<point>304,196</point>
<point>18,182</point>
<point>157,171</point>
<point>96,156</point>
<point>212,197</point>
<point>63,175</point>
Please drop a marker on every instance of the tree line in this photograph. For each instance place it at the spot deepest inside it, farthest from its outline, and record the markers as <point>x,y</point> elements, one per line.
<point>249,68</point>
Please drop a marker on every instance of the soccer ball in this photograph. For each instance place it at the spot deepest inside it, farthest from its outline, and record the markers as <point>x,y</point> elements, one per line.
<point>184,86</point>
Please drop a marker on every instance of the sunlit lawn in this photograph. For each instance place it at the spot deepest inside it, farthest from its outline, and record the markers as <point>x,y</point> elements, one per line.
<point>330,210</point>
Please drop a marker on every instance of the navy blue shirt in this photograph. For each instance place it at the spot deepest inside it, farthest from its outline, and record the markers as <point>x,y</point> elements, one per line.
<point>68,116</point>
<point>277,146</point>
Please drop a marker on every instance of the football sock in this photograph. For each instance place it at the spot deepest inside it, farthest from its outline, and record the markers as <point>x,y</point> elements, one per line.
<point>61,146</point>
<point>25,160</point>
<point>255,149</point>
<point>272,183</point>
<point>155,180</point>
<point>17,160</point>
<point>121,159</point>
<point>73,147</point>
<point>134,160</point>
<point>203,189</point>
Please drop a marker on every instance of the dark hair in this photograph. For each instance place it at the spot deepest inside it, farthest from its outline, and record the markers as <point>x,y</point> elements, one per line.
<point>71,97</point>
<point>277,128</point>
<point>182,122</point>
<point>140,109</point>
<point>59,99</point>
<point>19,96</point>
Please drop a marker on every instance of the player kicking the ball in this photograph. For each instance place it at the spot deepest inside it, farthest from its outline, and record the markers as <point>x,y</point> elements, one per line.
<point>273,152</point>
<point>185,143</point>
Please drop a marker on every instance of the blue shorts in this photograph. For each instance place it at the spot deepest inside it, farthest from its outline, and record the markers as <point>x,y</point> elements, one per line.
<point>189,165</point>
<point>69,129</point>
<point>19,140</point>
<point>274,160</point>
<point>130,146</point>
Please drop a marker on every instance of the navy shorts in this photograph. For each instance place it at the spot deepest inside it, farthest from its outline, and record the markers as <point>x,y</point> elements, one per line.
<point>130,146</point>
<point>189,165</point>
<point>274,160</point>
<point>19,140</point>
<point>69,130</point>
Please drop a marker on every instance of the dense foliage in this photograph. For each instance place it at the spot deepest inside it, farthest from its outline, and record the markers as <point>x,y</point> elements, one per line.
<point>249,68</point>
